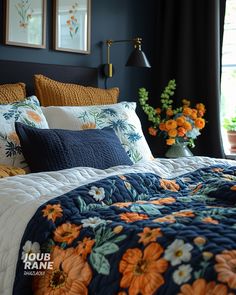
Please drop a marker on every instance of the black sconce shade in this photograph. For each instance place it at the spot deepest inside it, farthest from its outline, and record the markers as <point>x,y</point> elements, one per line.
<point>138,58</point>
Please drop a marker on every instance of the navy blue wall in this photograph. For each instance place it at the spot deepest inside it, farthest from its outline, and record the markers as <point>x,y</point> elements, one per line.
<point>111,19</point>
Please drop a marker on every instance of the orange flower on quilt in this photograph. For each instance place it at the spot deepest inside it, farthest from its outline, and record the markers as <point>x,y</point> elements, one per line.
<point>197,188</point>
<point>141,202</point>
<point>142,270</point>
<point>70,274</point>
<point>163,201</point>
<point>217,170</point>
<point>167,218</point>
<point>52,212</point>
<point>84,247</point>
<point>226,267</point>
<point>207,255</point>
<point>118,229</point>
<point>132,217</point>
<point>66,233</point>
<point>149,235</point>
<point>34,116</point>
<point>186,213</point>
<point>122,204</point>
<point>169,185</point>
<point>210,220</point>
<point>199,241</point>
<point>201,287</point>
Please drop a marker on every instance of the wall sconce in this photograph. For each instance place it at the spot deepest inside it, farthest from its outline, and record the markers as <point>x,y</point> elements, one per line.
<point>137,57</point>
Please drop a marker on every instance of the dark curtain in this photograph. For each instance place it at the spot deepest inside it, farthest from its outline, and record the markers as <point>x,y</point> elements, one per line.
<point>188,49</point>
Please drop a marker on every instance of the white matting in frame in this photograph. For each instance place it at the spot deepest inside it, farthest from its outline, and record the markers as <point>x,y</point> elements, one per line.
<point>26,23</point>
<point>72,25</point>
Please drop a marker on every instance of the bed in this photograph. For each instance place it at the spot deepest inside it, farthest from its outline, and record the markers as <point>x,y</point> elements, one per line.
<point>159,226</point>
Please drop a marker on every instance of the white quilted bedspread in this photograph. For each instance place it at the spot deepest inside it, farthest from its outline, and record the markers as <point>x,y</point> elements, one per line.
<point>20,196</point>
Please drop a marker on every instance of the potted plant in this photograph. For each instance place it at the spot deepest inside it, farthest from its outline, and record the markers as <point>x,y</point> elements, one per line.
<point>230,127</point>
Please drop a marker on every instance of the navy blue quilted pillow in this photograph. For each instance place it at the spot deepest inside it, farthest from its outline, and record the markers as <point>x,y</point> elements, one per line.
<point>57,149</point>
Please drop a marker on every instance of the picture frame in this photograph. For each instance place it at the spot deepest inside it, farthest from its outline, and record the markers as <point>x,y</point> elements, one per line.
<point>25,23</point>
<point>72,25</point>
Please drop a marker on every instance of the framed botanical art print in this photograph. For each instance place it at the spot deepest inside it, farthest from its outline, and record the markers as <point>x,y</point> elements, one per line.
<point>26,23</point>
<point>72,25</point>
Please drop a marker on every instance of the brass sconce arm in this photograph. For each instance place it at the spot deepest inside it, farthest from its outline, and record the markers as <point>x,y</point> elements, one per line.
<point>137,57</point>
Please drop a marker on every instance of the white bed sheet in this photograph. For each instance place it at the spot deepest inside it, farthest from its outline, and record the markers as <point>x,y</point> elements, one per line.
<point>20,196</point>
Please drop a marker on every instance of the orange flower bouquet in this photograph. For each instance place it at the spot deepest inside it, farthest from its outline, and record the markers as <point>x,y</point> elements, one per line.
<point>178,125</point>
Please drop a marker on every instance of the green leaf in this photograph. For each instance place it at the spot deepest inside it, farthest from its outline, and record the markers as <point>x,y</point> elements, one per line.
<point>185,199</point>
<point>82,204</point>
<point>95,206</point>
<point>107,248</point>
<point>100,263</point>
<point>119,239</point>
<point>98,234</point>
<point>197,274</point>
<point>108,234</point>
<point>150,209</point>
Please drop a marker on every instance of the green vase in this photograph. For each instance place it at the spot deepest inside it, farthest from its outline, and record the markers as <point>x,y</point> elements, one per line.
<point>179,150</point>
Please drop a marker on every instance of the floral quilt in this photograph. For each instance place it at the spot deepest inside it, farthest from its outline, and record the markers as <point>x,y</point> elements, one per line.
<point>135,234</point>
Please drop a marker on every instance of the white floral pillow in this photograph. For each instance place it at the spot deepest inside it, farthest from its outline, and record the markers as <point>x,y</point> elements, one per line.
<point>28,112</point>
<point>121,117</point>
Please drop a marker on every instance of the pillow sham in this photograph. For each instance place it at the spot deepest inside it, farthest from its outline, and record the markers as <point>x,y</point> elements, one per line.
<point>27,111</point>
<point>121,117</point>
<point>57,149</point>
<point>54,93</point>
<point>12,92</point>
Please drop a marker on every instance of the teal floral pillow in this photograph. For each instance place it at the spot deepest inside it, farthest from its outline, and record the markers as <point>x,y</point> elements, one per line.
<point>121,117</point>
<point>28,112</point>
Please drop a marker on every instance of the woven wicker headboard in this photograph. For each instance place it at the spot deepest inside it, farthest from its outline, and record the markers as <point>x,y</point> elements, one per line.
<point>15,71</point>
